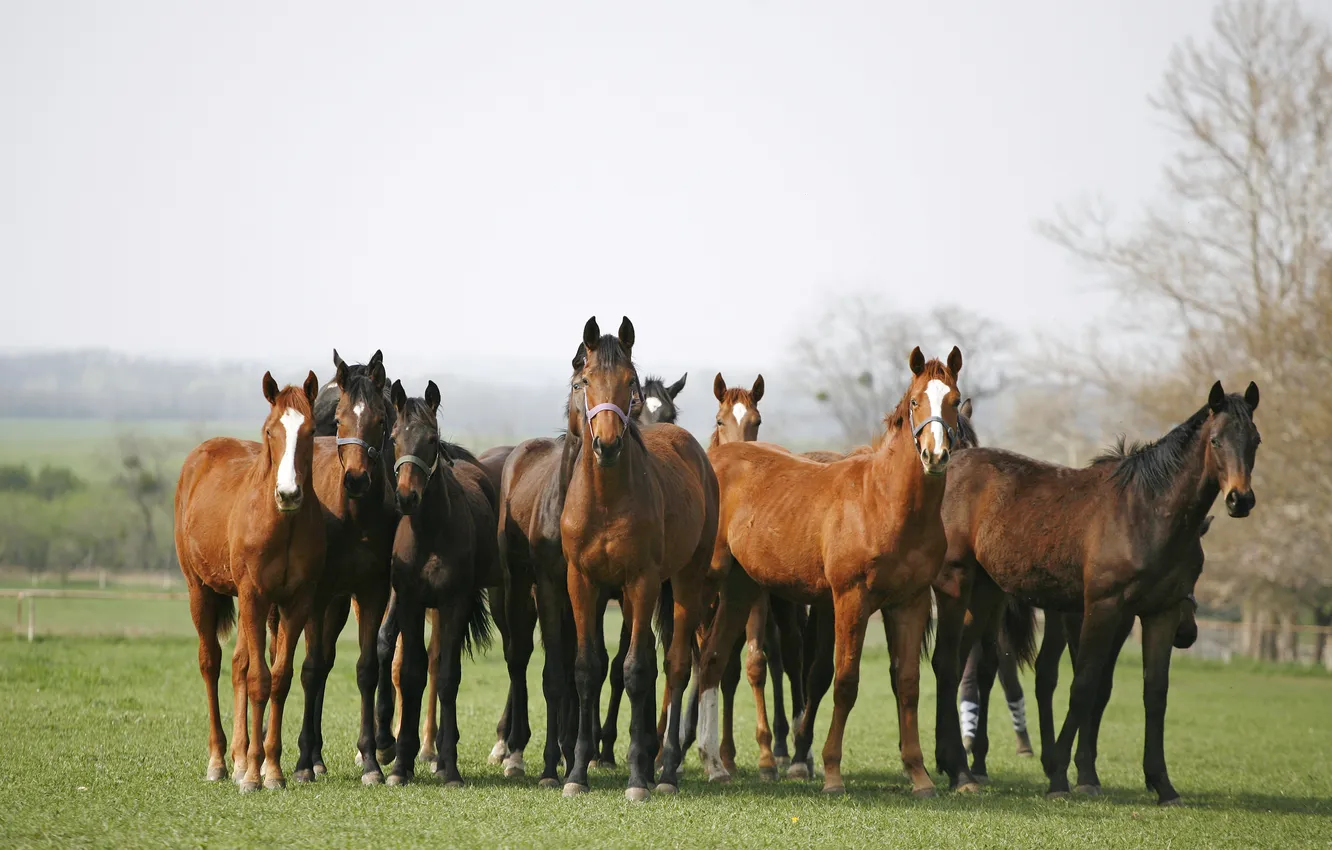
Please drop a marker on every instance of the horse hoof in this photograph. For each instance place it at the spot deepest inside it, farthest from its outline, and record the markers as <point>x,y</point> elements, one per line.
<point>360,759</point>
<point>514,770</point>
<point>216,774</point>
<point>248,787</point>
<point>593,764</point>
<point>386,755</point>
<point>498,753</point>
<point>798,770</point>
<point>982,778</point>
<point>834,790</point>
<point>303,776</point>
<point>396,779</point>
<point>549,783</point>
<point>426,757</point>
<point>923,793</point>
<point>604,763</point>
<point>767,774</point>
<point>665,788</point>
<point>239,776</point>
<point>432,765</point>
<point>722,778</point>
<point>637,795</point>
<point>319,768</point>
<point>1172,802</point>
<point>275,784</point>
<point>1089,790</point>
<point>375,778</point>
<point>573,789</point>
<point>453,783</point>
<point>1057,795</point>
<point>969,788</point>
<point>783,761</point>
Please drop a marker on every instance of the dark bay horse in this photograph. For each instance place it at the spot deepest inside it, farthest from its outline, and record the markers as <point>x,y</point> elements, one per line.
<point>854,535</point>
<point>641,508</point>
<point>351,476</point>
<point>1118,539</point>
<point>444,557</point>
<point>247,525</point>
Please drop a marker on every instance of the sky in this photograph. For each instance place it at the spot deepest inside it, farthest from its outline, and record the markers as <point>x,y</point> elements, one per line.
<point>465,183</point>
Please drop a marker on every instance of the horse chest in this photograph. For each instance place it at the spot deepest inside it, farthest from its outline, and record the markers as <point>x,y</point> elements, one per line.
<point>357,556</point>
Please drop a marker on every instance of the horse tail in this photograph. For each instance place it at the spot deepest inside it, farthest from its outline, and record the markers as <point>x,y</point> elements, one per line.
<point>480,625</point>
<point>1017,633</point>
<point>226,616</point>
<point>665,614</point>
<point>927,639</point>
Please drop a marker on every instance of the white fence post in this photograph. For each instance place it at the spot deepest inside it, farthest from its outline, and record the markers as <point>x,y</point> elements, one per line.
<point>32,616</point>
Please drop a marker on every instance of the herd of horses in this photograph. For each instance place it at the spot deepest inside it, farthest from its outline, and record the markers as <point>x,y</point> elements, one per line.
<point>352,497</point>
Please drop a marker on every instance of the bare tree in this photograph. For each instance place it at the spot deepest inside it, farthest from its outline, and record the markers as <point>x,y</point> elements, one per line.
<point>854,360</point>
<point>1229,274</point>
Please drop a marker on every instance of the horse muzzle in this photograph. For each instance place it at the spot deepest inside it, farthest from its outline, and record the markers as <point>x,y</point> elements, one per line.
<point>408,501</point>
<point>934,465</point>
<point>288,501</point>
<point>357,484</point>
<point>1239,504</point>
<point>608,454</point>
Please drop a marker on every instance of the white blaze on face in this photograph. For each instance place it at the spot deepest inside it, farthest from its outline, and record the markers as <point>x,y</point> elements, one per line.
<point>936,391</point>
<point>286,477</point>
<point>653,404</point>
<point>739,413</point>
<point>358,410</point>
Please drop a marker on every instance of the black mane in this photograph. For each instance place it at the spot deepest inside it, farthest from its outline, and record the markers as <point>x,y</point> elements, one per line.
<point>1150,468</point>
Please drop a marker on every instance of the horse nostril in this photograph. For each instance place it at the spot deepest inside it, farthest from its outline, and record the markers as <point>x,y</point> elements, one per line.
<point>596,443</point>
<point>943,458</point>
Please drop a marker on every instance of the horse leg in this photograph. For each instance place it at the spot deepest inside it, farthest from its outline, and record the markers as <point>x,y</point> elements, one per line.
<point>428,754</point>
<point>293,621</point>
<point>730,681</point>
<point>521,618</point>
<point>819,655</point>
<point>1017,703</point>
<point>369,614</point>
<point>640,680</point>
<point>583,601</point>
<point>908,638</point>
<point>203,609</point>
<point>1158,635</point>
<point>240,728</point>
<point>1099,626</point>
<point>1085,759</point>
<point>784,637</point>
<point>452,632</point>
<point>970,693</point>
<point>551,604</point>
<point>689,590</point>
<point>985,652</point>
<point>756,666</point>
<point>411,624</point>
<point>610,728</point>
<point>314,674</point>
<point>733,606</point>
<point>1053,642</point>
<point>781,725</point>
<point>504,726</point>
<point>333,625</point>
<point>851,618</point>
<point>253,617</point>
<point>951,638</point>
<point>385,691</point>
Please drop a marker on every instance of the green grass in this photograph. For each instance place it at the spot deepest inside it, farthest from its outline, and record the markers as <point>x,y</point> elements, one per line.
<point>103,744</point>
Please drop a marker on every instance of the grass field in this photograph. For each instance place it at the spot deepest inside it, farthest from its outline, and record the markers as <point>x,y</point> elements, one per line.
<point>104,745</point>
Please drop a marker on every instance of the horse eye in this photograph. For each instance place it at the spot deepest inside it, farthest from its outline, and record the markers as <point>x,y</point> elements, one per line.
<point>1216,442</point>
<point>914,403</point>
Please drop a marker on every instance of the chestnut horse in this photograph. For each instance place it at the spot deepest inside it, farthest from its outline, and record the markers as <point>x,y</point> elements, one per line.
<point>1118,539</point>
<point>353,421</point>
<point>247,525</point>
<point>641,508</point>
<point>858,534</point>
<point>444,556</point>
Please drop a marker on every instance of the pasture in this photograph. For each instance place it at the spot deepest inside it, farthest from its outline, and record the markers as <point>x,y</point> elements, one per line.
<point>104,745</point>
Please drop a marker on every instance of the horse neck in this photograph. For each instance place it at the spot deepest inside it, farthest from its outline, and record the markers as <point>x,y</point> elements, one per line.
<point>896,474</point>
<point>431,517</point>
<point>609,485</point>
<point>716,438</point>
<point>1191,494</point>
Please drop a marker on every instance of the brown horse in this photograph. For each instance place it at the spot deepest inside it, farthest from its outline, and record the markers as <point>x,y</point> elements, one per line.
<point>641,508</point>
<point>1115,540</point>
<point>444,557</point>
<point>855,535</point>
<point>247,525</point>
<point>351,479</point>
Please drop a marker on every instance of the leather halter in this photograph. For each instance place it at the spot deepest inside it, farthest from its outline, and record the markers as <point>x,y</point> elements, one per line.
<point>371,451</point>
<point>419,464</point>
<point>916,429</point>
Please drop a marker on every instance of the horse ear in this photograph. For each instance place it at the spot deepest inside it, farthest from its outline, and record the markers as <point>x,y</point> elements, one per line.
<point>580,357</point>
<point>340,378</point>
<point>955,361</point>
<point>270,388</point>
<point>399,396</point>
<point>965,408</point>
<point>432,396</point>
<point>311,387</point>
<point>1251,396</point>
<point>626,333</point>
<point>337,361</point>
<point>757,391</point>
<point>591,334</point>
<point>377,376</point>
<point>719,387</point>
<point>1216,400</point>
<point>917,361</point>
<point>676,388</point>
<point>1207,523</point>
<point>376,359</point>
